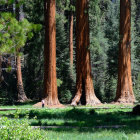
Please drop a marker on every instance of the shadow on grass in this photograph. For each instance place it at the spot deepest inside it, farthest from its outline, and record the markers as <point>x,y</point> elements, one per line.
<point>28,103</point>
<point>82,118</point>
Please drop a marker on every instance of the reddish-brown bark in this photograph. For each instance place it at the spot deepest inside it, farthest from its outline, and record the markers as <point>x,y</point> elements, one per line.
<point>71,37</point>
<point>50,82</point>
<point>124,88</point>
<point>21,94</point>
<point>83,66</point>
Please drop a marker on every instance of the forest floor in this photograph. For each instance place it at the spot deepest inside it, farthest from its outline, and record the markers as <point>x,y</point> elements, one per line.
<point>106,122</point>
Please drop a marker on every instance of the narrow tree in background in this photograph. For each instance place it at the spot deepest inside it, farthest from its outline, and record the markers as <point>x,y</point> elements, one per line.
<point>124,88</point>
<point>83,66</point>
<point>71,35</point>
<point>20,89</point>
<point>50,82</point>
<point>0,68</point>
<point>21,94</point>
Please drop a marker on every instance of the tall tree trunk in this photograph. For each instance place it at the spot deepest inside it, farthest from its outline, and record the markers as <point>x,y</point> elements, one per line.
<point>124,88</point>
<point>50,82</point>
<point>71,37</point>
<point>83,66</point>
<point>21,94</point>
<point>20,89</point>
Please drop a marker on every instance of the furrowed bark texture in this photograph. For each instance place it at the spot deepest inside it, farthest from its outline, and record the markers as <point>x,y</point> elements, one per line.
<point>124,88</point>
<point>50,82</point>
<point>71,37</point>
<point>21,94</point>
<point>83,66</point>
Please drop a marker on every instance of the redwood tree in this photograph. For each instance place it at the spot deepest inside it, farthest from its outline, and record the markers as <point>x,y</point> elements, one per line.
<point>71,35</point>
<point>21,94</point>
<point>0,68</point>
<point>20,89</point>
<point>50,82</point>
<point>124,88</point>
<point>83,67</point>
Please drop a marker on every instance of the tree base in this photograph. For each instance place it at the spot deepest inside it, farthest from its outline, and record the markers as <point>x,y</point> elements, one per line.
<point>21,94</point>
<point>22,98</point>
<point>125,100</point>
<point>91,102</point>
<point>94,102</point>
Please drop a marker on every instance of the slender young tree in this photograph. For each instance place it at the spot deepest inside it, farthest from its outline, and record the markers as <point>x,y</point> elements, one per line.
<point>124,88</point>
<point>0,68</point>
<point>21,94</point>
<point>20,89</point>
<point>50,81</point>
<point>83,66</point>
<point>71,35</point>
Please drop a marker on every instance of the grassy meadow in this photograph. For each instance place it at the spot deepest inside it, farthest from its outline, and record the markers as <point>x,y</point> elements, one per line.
<point>113,122</point>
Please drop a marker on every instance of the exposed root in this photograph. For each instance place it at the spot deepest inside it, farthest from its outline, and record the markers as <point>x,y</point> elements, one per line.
<point>76,99</point>
<point>94,101</point>
<point>123,100</point>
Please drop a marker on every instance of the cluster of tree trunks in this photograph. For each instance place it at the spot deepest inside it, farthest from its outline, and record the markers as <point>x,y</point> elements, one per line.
<point>83,67</point>
<point>84,83</point>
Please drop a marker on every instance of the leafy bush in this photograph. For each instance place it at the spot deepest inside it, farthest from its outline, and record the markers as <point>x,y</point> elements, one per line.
<point>15,129</point>
<point>65,96</point>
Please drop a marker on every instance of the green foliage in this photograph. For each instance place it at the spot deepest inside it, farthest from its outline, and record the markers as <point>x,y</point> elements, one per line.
<point>14,34</point>
<point>34,67</point>
<point>59,82</point>
<point>98,47</point>
<point>9,2</point>
<point>15,129</point>
<point>65,96</point>
<point>62,62</point>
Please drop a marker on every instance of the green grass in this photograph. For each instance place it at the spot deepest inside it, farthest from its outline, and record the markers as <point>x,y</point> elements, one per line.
<point>79,117</point>
<point>93,134</point>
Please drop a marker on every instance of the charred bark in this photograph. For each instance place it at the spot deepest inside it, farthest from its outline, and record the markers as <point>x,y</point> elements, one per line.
<point>83,66</point>
<point>21,94</point>
<point>124,92</point>
<point>50,82</point>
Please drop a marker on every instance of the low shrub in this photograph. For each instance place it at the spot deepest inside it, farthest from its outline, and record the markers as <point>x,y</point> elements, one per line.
<point>19,130</point>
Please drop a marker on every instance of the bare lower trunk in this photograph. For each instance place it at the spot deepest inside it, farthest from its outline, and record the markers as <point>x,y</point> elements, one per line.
<point>50,82</point>
<point>83,66</point>
<point>21,94</point>
<point>124,88</point>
